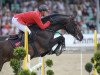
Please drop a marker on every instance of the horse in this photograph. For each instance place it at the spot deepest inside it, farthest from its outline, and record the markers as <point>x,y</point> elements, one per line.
<point>43,39</point>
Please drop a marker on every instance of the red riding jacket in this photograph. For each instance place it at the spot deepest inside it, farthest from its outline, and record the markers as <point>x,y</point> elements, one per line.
<point>31,17</point>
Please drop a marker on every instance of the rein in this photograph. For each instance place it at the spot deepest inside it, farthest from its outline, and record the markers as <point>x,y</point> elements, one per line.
<point>53,31</point>
<point>52,21</point>
<point>50,30</point>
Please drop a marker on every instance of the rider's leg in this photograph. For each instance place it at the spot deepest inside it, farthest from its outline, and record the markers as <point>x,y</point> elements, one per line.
<point>21,27</point>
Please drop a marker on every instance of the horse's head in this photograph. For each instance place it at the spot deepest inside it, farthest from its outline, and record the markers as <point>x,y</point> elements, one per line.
<point>60,21</point>
<point>72,27</point>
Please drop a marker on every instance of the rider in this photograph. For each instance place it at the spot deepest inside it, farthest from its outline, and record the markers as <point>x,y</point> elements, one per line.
<point>23,20</point>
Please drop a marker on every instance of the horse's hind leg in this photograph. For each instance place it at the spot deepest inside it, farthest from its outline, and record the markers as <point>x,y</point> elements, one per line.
<point>1,65</point>
<point>1,60</point>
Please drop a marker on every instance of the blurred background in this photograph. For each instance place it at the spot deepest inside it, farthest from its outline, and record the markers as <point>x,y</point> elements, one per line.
<point>86,12</point>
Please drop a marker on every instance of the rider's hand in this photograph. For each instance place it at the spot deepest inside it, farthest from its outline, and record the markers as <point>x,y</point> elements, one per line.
<point>48,22</point>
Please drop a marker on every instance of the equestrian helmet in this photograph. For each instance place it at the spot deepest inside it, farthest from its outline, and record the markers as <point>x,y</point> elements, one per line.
<point>43,8</point>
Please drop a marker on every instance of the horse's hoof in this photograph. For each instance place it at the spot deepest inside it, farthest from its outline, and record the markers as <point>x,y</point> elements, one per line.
<point>51,52</point>
<point>58,52</point>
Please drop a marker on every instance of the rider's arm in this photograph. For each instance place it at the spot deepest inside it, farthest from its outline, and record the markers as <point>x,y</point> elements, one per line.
<point>39,22</point>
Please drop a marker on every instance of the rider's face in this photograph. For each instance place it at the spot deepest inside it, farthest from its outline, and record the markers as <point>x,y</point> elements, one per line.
<point>44,13</point>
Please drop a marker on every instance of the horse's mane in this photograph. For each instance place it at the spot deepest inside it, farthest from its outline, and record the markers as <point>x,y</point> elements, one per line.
<point>55,15</point>
<point>55,19</point>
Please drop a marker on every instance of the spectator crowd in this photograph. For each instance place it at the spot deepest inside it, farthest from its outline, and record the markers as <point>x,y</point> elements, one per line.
<point>83,10</point>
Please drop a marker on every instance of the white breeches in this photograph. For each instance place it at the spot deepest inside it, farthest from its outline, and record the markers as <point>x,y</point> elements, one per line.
<point>20,26</point>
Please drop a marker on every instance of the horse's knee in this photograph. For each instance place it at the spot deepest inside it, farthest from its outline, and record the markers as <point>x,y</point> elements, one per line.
<point>62,39</point>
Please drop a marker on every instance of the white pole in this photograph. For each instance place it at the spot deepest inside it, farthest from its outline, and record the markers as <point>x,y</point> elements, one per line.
<point>97,21</point>
<point>81,62</point>
<point>40,61</point>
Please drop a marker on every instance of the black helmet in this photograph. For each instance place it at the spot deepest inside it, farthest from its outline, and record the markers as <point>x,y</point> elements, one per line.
<point>43,8</point>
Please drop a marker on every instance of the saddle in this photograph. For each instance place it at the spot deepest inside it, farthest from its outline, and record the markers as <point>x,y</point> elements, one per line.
<point>20,38</point>
<point>13,37</point>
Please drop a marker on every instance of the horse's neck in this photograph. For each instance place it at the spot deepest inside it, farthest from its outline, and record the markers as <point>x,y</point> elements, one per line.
<point>55,28</point>
<point>57,21</point>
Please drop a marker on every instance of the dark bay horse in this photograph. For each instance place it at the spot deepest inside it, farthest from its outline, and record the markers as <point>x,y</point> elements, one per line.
<point>44,39</point>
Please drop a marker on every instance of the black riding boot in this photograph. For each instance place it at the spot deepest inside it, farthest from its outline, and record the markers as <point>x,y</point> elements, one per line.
<point>31,37</point>
<point>21,35</point>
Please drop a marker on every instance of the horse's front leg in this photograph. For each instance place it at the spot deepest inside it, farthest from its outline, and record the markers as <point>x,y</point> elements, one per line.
<point>60,42</point>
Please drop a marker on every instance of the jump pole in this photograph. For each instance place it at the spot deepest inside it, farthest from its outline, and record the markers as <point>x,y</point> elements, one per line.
<point>43,67</point>
<point>27,58</point>
<point>25,61</point>
<point>95,48</point>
